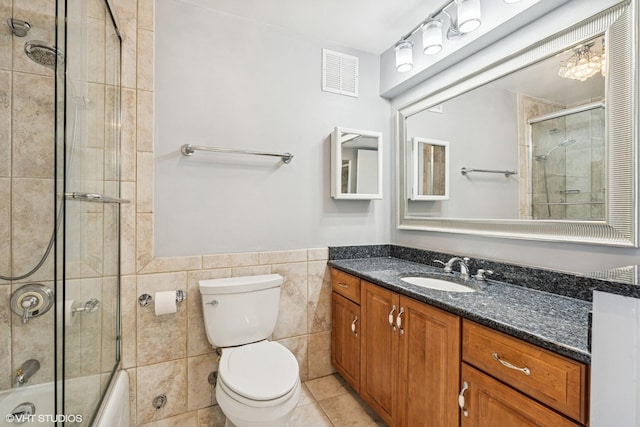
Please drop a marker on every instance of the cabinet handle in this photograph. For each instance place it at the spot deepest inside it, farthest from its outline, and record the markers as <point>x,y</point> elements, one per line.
<point>353,326</point>
<point>393,310</point>
<point>399,320</point>
<point>342,285</point>
<point>465,387</point>
<point>524,370</point>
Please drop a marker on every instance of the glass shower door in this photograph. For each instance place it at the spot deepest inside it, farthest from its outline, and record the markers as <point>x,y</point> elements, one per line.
<point>92,206</point>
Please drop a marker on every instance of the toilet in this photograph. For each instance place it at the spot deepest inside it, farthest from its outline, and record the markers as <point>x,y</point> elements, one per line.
<point>258,380</point>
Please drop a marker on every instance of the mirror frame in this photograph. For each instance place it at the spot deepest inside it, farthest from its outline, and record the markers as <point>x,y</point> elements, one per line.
<point>619,24</point>
<point>414,176</point>
<point>336,165</point>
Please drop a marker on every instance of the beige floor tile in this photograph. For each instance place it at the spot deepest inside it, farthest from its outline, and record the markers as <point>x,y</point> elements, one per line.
<point>306,397</point>
<point>310,415</point>
<point>348,410</point>
<point>211,417</point>
<point>326,387</point>
<point>189,419</point>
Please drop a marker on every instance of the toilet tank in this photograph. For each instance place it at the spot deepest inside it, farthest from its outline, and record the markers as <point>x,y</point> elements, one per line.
<point>240,310</point>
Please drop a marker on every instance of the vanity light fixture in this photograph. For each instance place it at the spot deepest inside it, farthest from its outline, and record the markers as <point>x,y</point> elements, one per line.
<point>465,19</point>
<point>468,15</point>
<point>404,55</point>
<point>432,37</point>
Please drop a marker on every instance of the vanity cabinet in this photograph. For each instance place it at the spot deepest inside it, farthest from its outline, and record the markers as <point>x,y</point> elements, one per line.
<point>345,328</point>
<point>409,361</point>
<point>533,376</point>
<point>410,358</point>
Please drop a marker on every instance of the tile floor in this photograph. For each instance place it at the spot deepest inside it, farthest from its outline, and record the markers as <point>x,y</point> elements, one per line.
<point>325,402</point>
<point>329,401</point>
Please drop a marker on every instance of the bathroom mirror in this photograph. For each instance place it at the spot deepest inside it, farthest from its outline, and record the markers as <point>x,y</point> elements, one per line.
<point>429,169</point>
<point>356,164</point>
<point>534,155</point>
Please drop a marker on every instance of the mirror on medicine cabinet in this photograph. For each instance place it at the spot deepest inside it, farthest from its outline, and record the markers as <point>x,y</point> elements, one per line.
<point>429,169</point>
<point>356,164</point>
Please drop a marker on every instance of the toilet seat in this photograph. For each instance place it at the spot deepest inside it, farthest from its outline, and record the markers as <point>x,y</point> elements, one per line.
<point>259,374</point>
<point>258,403</point>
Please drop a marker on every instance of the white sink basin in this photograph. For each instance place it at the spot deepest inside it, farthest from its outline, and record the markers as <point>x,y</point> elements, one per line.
<point>440,285</point>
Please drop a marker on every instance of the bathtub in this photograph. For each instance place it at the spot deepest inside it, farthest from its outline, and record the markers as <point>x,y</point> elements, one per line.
<point>114,410</point>
<point>83,396</point>
<point>40,395</point>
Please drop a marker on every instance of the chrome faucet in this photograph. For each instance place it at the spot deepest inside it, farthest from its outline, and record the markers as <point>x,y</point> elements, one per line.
<point>26,371</point>
<point>464,267</point>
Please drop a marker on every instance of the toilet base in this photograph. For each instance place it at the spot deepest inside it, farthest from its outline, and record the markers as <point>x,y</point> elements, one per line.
<point>241,415</point>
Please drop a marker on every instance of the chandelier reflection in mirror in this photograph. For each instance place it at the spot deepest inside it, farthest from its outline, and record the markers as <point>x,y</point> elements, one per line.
<point>584,63</point>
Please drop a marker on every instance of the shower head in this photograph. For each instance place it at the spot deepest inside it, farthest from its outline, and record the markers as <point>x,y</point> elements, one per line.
<point>43,54</point>
<point>565,143</point>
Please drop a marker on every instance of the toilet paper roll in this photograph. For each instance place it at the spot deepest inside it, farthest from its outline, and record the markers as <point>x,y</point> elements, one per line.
<point>69,318</point>
<point>165,302</point>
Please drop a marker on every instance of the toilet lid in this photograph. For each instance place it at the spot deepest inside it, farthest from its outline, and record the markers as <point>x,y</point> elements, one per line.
<point>261,371</point>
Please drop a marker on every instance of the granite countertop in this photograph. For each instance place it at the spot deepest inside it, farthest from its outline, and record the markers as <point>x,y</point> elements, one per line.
<point>554,322</point>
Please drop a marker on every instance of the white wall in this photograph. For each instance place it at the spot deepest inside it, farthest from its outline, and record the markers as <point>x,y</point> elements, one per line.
<point>230,82</point>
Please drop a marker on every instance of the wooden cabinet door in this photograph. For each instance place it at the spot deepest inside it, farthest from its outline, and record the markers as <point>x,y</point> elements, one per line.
<point>379,351</point>
<point>345,339</point>
<point>429,343</point>
<point>490,403</point>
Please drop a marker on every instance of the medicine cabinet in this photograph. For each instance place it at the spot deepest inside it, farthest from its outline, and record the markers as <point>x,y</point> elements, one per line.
<point>356,164</point>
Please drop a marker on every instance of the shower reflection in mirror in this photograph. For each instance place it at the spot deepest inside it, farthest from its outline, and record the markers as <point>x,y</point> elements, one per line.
<point>568,163</point>
<point>430,169</point>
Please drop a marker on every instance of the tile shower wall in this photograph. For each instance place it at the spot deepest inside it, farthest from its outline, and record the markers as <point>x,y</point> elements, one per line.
<point>26,185</point>
<point>171,354</point>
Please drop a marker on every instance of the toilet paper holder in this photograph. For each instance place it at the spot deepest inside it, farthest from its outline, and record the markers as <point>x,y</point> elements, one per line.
<point>146,299</point>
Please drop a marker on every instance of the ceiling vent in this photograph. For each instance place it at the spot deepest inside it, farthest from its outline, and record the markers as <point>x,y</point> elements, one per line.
<point>340,73</point>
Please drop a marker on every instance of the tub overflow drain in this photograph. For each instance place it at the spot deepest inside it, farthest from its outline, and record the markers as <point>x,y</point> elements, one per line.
<point>159,401</point>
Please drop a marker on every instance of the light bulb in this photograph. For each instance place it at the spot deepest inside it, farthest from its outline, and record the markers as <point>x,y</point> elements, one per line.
<point>468,15</point>
<point>404,55</point>
<point>432,37</point>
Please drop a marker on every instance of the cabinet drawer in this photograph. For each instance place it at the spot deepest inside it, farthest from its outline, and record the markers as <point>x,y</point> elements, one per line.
<point>488,402</point>
<point>346,285</point>
<point>552,379</point>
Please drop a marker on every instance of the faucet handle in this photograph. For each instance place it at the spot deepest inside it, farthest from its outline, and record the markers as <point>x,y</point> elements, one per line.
<point>27,304</point>
<point>481,274</point>
<point>447,267</point>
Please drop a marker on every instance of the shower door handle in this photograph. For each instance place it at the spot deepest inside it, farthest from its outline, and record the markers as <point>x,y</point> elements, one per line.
<point>95,197</point>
